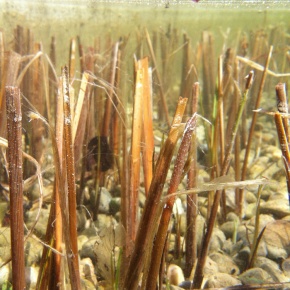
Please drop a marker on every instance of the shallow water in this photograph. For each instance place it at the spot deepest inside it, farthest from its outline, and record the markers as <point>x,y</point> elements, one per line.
<point>227,21</point>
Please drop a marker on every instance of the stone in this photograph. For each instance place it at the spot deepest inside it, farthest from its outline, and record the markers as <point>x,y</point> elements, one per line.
<point>178,207</point>
<point>225,263</point>
<point>87,250</point>
<point>105,199</point>
<point>255,276</point>
<point>286,267</point>
<point>175,275</point>
<point>271,268</point>
<point>87,271</point>
<point>217,240</point>
<point>250,197</point>
<point>81,219</point>
<point>5,237</point>
<point>250,210</point>
<point>277,207</point>
<point>41,225</point>
<point>242,257</point>
<point>3,210</point>
<point>277,239</point>
<point>33,251</point>
<point>221,280</point>
<point>210,267</point>
<point>82,239</point>
<point>4,274</point>
<point>31,274</point>
<point>229,228</point>
<point>104,220</point>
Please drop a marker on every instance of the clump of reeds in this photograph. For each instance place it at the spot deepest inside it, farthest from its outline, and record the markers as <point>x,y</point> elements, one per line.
<point>93,137</point>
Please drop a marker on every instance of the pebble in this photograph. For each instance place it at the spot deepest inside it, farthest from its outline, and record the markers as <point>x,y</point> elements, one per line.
<point>276,207</point>
<point>87,250</point>
<point>4,273</point>
<point>221,280</point>
<point>175,275</point>
<point>40,228</point>
<point>271,268</point>
<point>255,276</point>
<point>276,238</point>
<point>105,198</point>
<point>217,240</point>
<point>225,263</point>
<point>31,274</point>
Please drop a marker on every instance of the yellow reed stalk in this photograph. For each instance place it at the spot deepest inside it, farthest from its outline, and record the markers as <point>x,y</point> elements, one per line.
<point>148,138</point>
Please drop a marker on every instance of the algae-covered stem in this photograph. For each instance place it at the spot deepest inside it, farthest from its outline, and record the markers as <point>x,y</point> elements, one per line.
<point>14,135</point>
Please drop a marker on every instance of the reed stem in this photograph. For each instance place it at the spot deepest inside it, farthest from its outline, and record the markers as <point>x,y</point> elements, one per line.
<point>14,136</point>
<point>161,235</point>
<point>252,129</point>
<point>70,173</point>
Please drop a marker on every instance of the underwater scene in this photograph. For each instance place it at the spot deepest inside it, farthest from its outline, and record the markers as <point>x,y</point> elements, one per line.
<point>144,144</point>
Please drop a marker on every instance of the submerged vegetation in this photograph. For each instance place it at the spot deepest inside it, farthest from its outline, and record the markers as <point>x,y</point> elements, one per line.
<point>117,176</point>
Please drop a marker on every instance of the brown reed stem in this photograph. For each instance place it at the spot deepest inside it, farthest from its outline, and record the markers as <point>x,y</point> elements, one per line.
<point>284,147</point>
<point>282,107</point>
<point>70,173</point>
<point>162,95</point>
<point>150,216</point>
<point>109,100</point>
<point>14,153</point>
<point>11,66</point>
<point>58,221</point>
<point>191,199</point>
<point>52,80</point>
<point>251,132</point>
<point>37,100</point>
<point>161,235</point>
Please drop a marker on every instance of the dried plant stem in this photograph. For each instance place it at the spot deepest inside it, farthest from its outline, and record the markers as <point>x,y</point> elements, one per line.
<point>60,175</point>
<point>14,136</point>
<point>282,106</point>
<point>58,228</point>
<point>252,129</point>
<point>80,120</point>
<point>70,173</point>
<point>136,149</point>
<point>37,100</point>
<point>162,95</point>
<point>109,100</point>
<point>147,136</point>
<point>219,126</point>
<point>198,276</point>
<point>2,86</point>
<point>161,235</point>
<point>11,65</point>
<point>284,147</point>
<point>145,233</point>
<point>52,80</point>
<point>191,210</point>
<point>208,74</point>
